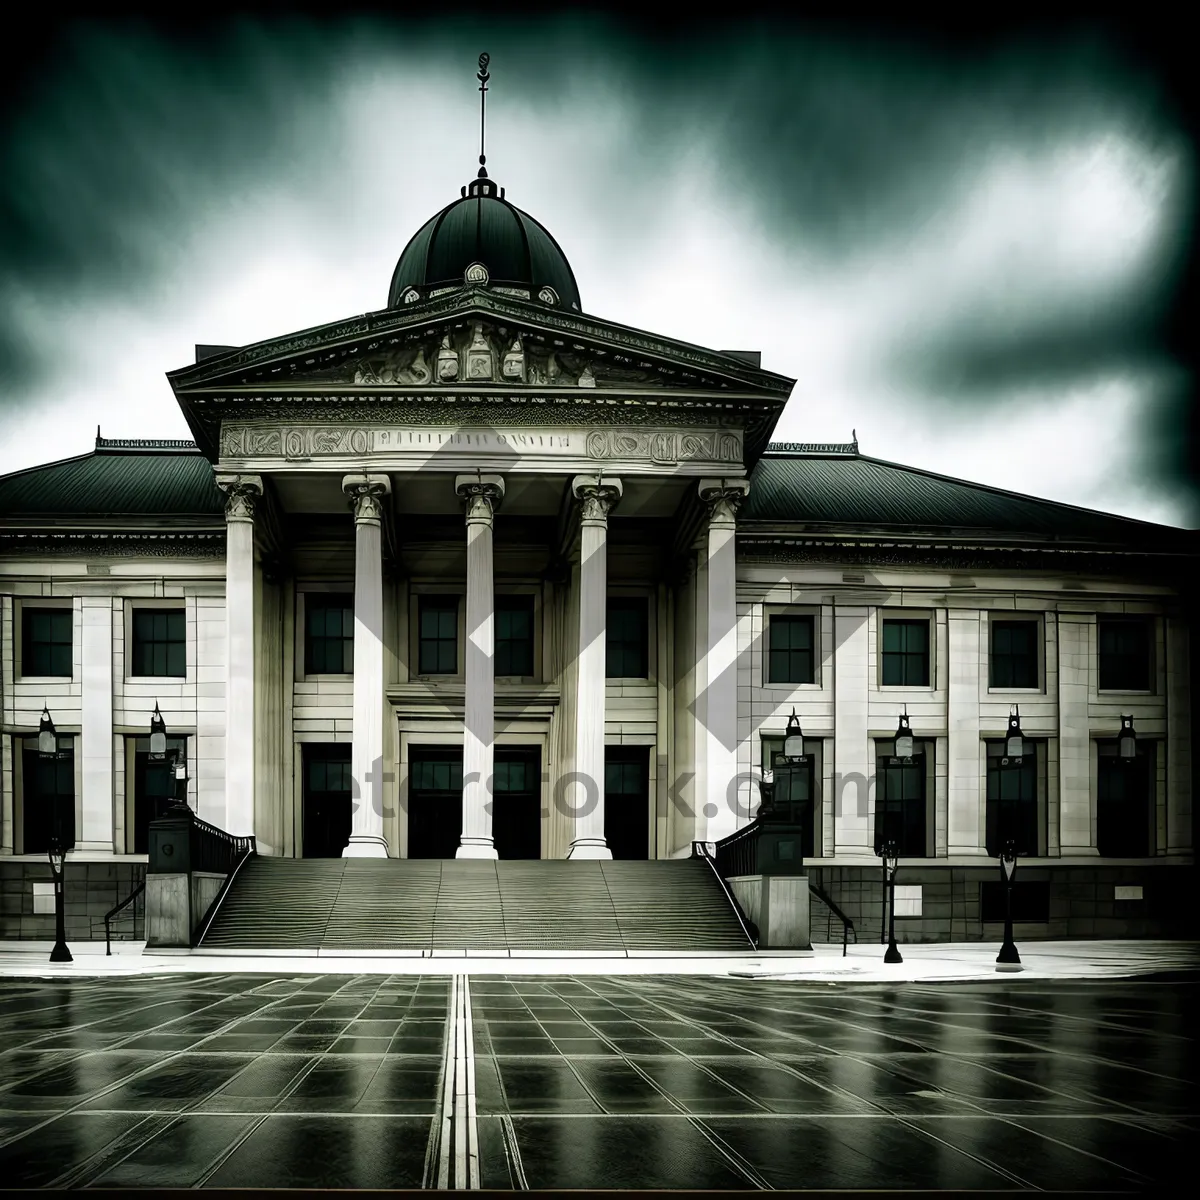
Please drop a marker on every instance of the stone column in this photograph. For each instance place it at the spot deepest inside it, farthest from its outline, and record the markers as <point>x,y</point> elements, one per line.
<point>720,815</point>
<point>242,493</point>
<point>964,810</point>
<point>597,496</point>
<point>481,494</point>
<point>1076,823</point>
<point>853,750</point>
<point>1179,738</point>
<point>366,754</point>
<point>96,831</point>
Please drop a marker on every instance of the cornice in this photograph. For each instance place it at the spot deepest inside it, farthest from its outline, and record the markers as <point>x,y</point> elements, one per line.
<point>121,544</point>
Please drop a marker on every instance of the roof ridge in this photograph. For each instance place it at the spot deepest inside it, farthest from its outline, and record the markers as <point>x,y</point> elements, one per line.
<point>812,448</point>
<point>103,443</point>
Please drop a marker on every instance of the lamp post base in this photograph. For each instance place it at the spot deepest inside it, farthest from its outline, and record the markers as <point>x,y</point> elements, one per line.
<point>893,954</point>
<point>1008,954</point>
<point>60,953</point>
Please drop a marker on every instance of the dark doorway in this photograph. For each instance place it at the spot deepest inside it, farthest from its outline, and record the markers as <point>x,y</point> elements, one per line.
<point>153,788</point>
<point>49,801</point>
<point>434,801</point>
<point>627,801</point>
<point>327,799</point>
<point>517,801</point>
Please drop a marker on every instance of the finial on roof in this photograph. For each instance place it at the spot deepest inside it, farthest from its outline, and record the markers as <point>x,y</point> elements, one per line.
<point>483,78</point>
<point>854,439</point>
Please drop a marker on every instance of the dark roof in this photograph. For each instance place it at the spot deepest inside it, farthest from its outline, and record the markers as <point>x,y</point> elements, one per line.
<point>120,477</point>
<point>483,227</point>
<point>835,485</point>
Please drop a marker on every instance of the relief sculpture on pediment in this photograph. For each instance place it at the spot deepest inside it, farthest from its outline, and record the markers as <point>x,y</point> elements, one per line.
<point>399,367</point>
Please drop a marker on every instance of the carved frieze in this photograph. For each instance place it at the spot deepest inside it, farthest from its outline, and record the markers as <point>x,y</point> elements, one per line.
<point>664,447</point>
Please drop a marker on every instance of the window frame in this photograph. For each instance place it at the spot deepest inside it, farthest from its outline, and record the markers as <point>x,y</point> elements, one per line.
<point>1149,753</point>
<point>306,637</point>
<point>534,596</point>
<point>21,744</point>
<point>1039,647</point>
<point>459,600</point>
<point>1150,624</point>
<point>771,744</point>
<point>132,609</point>
<point>924,749</point>
<point>642,601</point>
<point>23,641</point>
<point>911,616</point>
<point>991,748</point>
<point>791,612</point>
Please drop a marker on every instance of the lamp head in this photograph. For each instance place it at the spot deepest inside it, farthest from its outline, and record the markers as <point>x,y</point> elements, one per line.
<point>793,740</point>
<point>47,737</point>
<point>1014,743</point>
<point>1127,739</point>
<point>904,737</point>
<point>158,733</point>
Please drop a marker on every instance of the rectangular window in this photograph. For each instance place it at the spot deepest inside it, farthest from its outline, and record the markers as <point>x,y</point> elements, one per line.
<point>437,622</point>
<point>790,649</point>
<point>159,642</point>
<point>1012,801</point>
<point>900,805</point>
<point>328,634</point>
<point>48,802</point>
<point>1014,657</point>
<point>46,643</point>
<point>1123,650</point>
<point>514,635</point>
<point>905,653</point>
<point>1124,802</point>
<point>626,642</point>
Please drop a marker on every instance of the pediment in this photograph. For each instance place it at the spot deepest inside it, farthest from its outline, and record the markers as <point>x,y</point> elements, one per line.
<point>480,338</point>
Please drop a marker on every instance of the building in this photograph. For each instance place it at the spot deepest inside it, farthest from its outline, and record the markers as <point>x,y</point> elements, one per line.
<point>480,535</point>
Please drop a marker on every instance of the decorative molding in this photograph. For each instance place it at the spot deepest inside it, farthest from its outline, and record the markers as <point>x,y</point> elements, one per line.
<point>666,448</point>
<point>848,448</point>
<point>242,493</point>
<point>365,492</point>
<point>481,496</point>
<point>597,497</point>
<point>127,545</point>
<point>164,444</point>
<point>722,498</point>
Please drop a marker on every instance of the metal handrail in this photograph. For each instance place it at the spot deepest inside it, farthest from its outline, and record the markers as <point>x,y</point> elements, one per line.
<point>847,924</point>
<point>735,854</point>
<point>214,850</point>
<point>116,908</point>
<point>247,854</point>
<point>749,928</point>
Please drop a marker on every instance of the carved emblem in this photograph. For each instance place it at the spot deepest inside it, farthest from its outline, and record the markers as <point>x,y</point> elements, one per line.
<point>447,361</point>
<point>548,295</point>
<point>513,366</point>
<point>326,441</point>
<point>479,356</point>
<point>586,378</point>
<point>262,441</point>
<point>293,444</point>
<point>476,273</point>
<point>359,441</point>
<point>411,296</point>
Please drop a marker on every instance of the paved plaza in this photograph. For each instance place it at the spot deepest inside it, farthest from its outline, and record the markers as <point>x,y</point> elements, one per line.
<point>596,1081</point>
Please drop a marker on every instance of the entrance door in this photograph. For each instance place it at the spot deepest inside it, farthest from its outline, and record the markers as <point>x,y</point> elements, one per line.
<point>327,799</point>
<point>627,801</point>
<point>517,801</point>
<point>434,801</point>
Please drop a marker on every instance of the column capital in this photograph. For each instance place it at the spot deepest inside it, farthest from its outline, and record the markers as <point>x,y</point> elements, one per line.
<point>722,497</point>
<point>597,496</point>
<point>242,492</point>
<point>481,496</point>
<point>364,492</point>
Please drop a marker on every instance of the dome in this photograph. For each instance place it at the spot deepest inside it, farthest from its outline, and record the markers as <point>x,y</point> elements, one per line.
<point>483,228</point>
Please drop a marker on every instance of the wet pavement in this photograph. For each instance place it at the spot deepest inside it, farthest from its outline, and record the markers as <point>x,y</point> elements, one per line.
<point>406,1081</point>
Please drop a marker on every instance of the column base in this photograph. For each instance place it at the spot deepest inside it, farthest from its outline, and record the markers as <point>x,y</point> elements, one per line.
<point>590,848</point>
<point>477,848</point>
<point>365,846</point>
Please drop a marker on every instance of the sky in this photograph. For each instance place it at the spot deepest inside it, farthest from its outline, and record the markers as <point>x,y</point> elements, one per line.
<point>972,252</point>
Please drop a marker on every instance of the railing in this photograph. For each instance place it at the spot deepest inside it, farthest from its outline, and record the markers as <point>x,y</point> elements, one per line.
<point>833,911</point>
<point>700,850</point>
<point>215,851</point>
<point>207,920</point>
<point>738,853</point>
<point>139,875</point>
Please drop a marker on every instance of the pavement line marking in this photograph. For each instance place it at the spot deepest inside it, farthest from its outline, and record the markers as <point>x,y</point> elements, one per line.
<point>473,1176</point>
<point>444,1142</point>
<point>458,1146</point>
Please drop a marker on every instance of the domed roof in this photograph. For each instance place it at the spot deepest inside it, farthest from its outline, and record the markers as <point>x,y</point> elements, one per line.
<point>483,228</point>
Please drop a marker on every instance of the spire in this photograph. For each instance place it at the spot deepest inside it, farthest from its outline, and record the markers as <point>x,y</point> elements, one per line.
<point>483,78</point>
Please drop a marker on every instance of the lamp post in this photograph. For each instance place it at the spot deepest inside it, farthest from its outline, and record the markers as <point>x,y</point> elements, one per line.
<point>1014,752</point>
<point>1127,740</point>
<point>48,750</point>
<point>889,866</point>
<point>176,761</point>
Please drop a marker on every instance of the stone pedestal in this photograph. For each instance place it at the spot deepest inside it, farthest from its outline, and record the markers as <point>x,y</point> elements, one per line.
<point>778,905</point>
